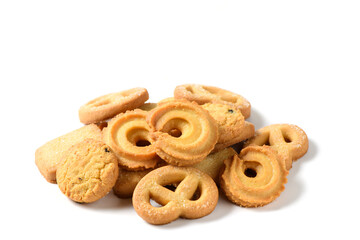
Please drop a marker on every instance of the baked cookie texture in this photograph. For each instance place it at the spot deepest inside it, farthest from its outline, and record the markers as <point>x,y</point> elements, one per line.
<point>107,106</point>
<point>183,132</point>
<point>181,191</point>
<point>254,178</point>
<point>49,155</point>
<point>88,172</point>
<point>208,94</point>
<point>128,135</point>
<point>288,140</point>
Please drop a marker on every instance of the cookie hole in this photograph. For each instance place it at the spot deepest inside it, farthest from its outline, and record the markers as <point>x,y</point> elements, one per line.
<point>288,140</point>
<point>196,194</point>
<point>175,132</point>
<point>155,204</point>
<point>142,143</point>
<point>249,172</point>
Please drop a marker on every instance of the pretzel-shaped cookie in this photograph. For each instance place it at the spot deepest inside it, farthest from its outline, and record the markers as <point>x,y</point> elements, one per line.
<point>208,94</point>
<point>109,105</point>
<point>289,141</point>
<point>184,133</point>
<point>254,178</point>
<point>195,196</point>
<point>128,135</point>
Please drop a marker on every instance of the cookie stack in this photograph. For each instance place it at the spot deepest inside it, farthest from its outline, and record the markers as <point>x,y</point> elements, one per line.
<point>171,156</point>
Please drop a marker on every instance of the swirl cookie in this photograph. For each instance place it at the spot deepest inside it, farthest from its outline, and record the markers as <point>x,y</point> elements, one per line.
<point>181,191</point>
<point>254,178</point>
<point>107,106</point>
<point>88,172</point>
<point>208,94</point>
<point>183,132</point>
<point>49,155</point>
<point>289,141</point>
<point>128,135</point>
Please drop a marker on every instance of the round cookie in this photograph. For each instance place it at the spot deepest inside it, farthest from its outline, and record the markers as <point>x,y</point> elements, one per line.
<point>107,106</point>
<point>230,120</point>
<point>128,135</point>
<point>183,132</point>
<point>88,172</point>
<point>254,178</point>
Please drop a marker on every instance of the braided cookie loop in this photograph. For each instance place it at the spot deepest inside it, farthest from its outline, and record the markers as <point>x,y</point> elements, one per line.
<point>184,133</point>
<point>181,191</point>
<point>107,106</point>
<point>128,135</point>
<point>254,178</point>
<point>207,94</point>
<point>289,141</point>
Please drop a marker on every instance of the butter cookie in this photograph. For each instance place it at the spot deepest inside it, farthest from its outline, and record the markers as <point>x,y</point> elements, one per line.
<point>181,191</point>
<point>183,132</point>
<point>107,106</point>
<point>208,94</point>
<point>128,135</point>
<point>88,172</point>
<point>254,178</point>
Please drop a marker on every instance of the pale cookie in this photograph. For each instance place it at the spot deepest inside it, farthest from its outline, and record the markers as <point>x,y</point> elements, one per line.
<point>207,94</point>
<point>88,172</point>
<point>181,191</point>
<point>254,178</point>
<point>107,106</point>
<point>288,140</point>
<point>48,156</point>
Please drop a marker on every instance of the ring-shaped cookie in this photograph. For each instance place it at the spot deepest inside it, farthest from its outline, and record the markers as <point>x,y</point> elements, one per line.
<point>204,94</point>
<point>109,105</point>
<point>288,140</point>
<point>128,135</point>
<point>254,178</point>
<point>195,196</point>
<point>184,133</point>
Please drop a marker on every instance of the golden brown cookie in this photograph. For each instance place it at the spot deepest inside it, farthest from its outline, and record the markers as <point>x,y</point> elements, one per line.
<point>288,140</point>
<point>230,120</point>
<point>127,181</point>
<point>207,94</point>
<point>181,191</point>
<point>247,132</point>
<point>107,106</point>
<point>88,172</point>
<point>128,135</point>
<point>214,162</point>
<point>254,178</point>
<point>48,156</point>
<point>183,132</point>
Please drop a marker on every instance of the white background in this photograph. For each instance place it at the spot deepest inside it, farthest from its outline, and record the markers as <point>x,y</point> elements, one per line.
<point>296,62</point>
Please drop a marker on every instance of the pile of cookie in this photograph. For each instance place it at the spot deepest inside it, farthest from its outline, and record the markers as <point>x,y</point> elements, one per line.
<point>172,156</point>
